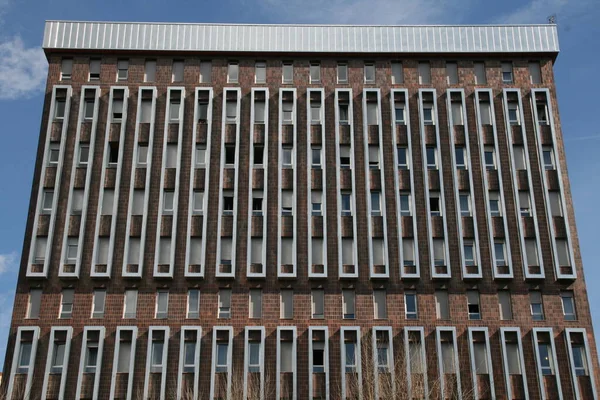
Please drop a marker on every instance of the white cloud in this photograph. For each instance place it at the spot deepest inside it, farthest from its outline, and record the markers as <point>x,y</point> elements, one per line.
<point>379,12</point>
<point>8,262</point>
<point>23,69</point>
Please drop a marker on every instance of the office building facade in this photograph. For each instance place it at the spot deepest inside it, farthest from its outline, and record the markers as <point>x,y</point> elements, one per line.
<point>300,212</point>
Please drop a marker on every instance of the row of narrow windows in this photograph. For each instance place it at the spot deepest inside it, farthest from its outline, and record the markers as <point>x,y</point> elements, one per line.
<point>354,348</point>
<point>318,301</point>
<point>315,76</point>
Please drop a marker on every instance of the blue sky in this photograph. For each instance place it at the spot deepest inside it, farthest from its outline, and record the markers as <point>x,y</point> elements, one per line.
<point>23,72</point>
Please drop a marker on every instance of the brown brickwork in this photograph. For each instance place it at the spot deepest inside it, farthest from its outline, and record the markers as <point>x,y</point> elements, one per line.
<point>302,285</point>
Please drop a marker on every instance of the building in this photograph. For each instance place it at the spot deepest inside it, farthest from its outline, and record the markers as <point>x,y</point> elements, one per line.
<point>305,212</point>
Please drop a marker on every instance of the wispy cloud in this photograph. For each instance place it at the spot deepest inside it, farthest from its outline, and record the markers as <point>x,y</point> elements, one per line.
<point>8,262</point>
<point>386,12</point>
<point>22,69</point>
<point>538,11</point>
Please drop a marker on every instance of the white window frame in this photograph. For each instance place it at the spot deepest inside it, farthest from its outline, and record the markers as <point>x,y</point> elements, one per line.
<point>113,381</point>
<point>589,361</point>
<point>35,332</point>
<point>150,367</point>
<point>216,330</point>
<point>471,330</point>
<point>357,356</point>
<point>390,359</point>
<point>438,341</point>
<point>261,361</point>
<point>421,332</point>
<point>294,362</point>
<point>507,376</point>
<point>182,365</point>
<point>553,361</point>
<point>312,329</point>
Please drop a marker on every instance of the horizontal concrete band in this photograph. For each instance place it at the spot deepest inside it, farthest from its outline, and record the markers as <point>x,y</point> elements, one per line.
<point>133,36</point>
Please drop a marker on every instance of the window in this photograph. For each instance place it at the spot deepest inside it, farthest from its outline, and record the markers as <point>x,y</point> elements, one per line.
<point>507,72</point>
<point>221,364</point>
<point>254,356</point>
<point>461,161</point>
<point>542,113</point>
<point>465,204</point>
<point>47,200</point>
<point>372,113</point>
<point>435,209</point>
<point>546,357</point>
<point>442,310</point>
<point>72,250</point>
<point>259,152</point>
<point>130,304</point>
<point>374,157</point>
<point>513,113</point>
<point>505,305</point>
<point>224,303</point>
<point>316,157</point>
<point>375,203</point>
<point>524,204</point>
<point>94,69</point>
<point>53,154</point>
<point>424,71</point>
<point>431,154</point>
<point>562,250</point>
<point>531,252</point>
<point>537,307</point>
<point>473,304</point>
<point>193,303</point>
<point>512,354</point>
<point>346,204</point>
<point>255,303</point>
<point>500,254</point>
<point>91,352</point>
<point>122,70</point>
<point>456,109</point>
<point>317,297</point>
<point>350,349</point>
<point>77,202</point>
<point>383,348</point>
<point>84,154</point>
<point>287,202</point>
<point>33,304</point>
<point>344,157</point>
<point>480,76</point>
<point>380,303</point>
<point>405,209</point>
<point>260,72</point>
<point>288,72</point>
<point>66,69</point>
<point>156,357</point>
<point>535,73</point>
<point>315,72</point>
<point>198,202</point>
<point>485,113</point>
<point>168,199</point>
<point>397,73</point>
<point>175,107</point>
<point>343,110</point>
<point>66,303</point>
<point>257,204</point>
<point>410,305</point>
<point>229,155</point>
<point>59,107</point>
<point>200,155</point>
<point>342,73</point>
<point>480,356</point>
<point>25,348</point>
<point>162,304</point>
<point>189,356</point>
<point>555,204</point>
<point>490,158</point>
<point>287,108</point>
<point>348,303</point>
<point>579,359</point>
<point>286,157</point>
<point>88,105</point>
<point>40,249</point>
<point>150,71</point>
<point>495,209</point>
<point>318,352</point>
<point>469,251</point>
<point>316,203</point>
<point>439,254</point>
<point>315,112</point>
<point>233,71</point>
<point>98,303</point>
<point>259,112</point>
<point>205,71</point>
<point>452,73</point>
<point>369,73</point>
<point>402,158</point>
<point>117,110</point>
<point>286,304</point>
<point>286,352</point>
<point>58,353</point>
<point>428,118</point>
<point>399,115</point>
<point>548,156</point>
<point>568,306</point>
<point>146,111</point>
